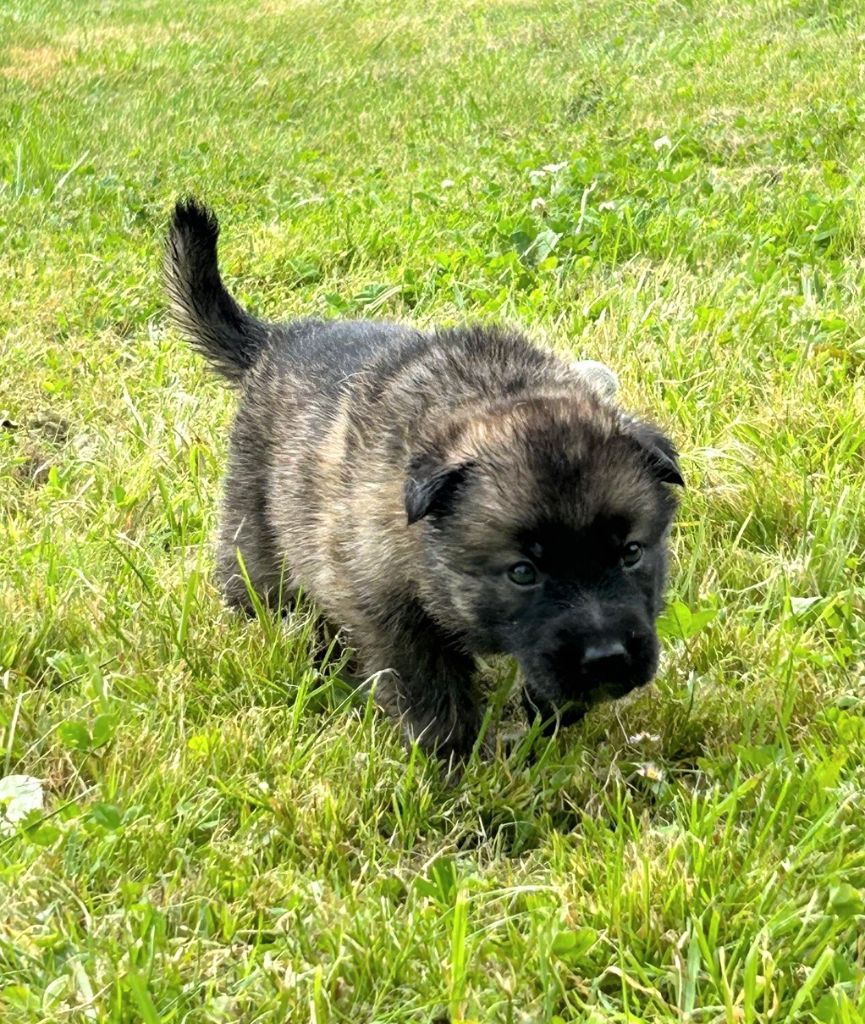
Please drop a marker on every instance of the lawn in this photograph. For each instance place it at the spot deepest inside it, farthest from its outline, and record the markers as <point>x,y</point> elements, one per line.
<point>228,833</point>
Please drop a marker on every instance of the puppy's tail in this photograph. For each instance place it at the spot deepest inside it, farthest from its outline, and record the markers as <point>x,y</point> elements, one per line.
<point>217,326</point>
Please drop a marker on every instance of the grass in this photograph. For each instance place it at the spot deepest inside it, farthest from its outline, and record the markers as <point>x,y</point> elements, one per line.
<point>228,835</point>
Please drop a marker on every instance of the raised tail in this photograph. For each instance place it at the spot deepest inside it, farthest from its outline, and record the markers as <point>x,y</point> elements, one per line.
<point>217,326</point>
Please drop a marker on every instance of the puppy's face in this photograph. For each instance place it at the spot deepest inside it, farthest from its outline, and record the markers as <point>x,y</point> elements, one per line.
<point>545,531</point>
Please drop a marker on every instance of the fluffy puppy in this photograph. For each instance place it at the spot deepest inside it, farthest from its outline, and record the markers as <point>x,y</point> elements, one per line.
<point>439,495</point>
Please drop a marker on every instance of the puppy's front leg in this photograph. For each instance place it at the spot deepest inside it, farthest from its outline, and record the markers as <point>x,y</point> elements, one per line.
<point>429,687</point>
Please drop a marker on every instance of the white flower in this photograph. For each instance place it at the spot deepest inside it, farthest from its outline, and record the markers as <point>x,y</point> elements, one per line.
<point>538,204</point>
<point>448,183</point>
<point>609,204</point>
<point>554,168</point>
<point>662,143</point>
<point>651,771</point>
<point>19,795</point>
<point>644,737</point>
<point>800,605</point>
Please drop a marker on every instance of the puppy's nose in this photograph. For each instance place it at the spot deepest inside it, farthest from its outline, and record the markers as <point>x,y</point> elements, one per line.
<point>608,654</point>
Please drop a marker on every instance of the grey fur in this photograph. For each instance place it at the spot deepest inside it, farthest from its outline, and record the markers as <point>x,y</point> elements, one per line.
<point>402,477</point>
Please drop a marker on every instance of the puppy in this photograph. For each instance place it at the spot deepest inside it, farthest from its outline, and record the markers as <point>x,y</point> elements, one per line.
<point>439,495</point>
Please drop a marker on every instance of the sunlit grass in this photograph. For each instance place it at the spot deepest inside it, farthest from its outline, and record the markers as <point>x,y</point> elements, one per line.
<point>230,834</point>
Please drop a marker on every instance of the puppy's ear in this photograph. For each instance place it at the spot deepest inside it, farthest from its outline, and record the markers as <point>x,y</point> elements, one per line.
<point>660,452</point>
<point>598,376</point>
<point>431,487</point>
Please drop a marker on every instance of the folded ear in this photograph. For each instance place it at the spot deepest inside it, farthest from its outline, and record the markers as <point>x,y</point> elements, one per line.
<point>431,487</point>
<point>660,452</point>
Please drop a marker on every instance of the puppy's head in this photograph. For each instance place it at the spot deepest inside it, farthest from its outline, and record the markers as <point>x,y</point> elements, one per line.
<point>544,527</point>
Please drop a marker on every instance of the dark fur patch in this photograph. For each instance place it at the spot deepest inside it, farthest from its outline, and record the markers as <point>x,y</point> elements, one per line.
<point>398,477</point>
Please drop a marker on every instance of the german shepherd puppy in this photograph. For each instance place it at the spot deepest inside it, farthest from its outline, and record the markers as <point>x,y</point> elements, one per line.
<point>439,495</point>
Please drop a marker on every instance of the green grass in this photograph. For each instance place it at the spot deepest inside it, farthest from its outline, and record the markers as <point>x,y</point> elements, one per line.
<point>229,835</point>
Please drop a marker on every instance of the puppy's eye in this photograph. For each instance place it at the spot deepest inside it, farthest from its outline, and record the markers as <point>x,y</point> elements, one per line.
<point>523,574</point>
<point>631,554</point>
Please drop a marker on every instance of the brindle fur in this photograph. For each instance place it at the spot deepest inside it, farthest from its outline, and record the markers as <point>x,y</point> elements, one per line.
<point>395,475</point>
